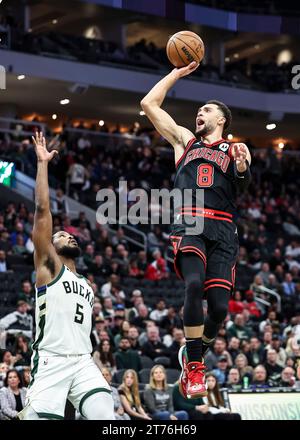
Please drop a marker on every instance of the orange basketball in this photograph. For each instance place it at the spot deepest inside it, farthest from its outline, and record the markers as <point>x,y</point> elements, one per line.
<point>185,47</point>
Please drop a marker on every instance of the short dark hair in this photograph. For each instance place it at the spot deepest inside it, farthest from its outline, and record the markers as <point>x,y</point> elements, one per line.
<point>225,110</point>
<point>13,370</point>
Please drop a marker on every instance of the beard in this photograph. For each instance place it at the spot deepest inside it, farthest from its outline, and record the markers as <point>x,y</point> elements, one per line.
<point>205,130</point>
<point>69,252</point>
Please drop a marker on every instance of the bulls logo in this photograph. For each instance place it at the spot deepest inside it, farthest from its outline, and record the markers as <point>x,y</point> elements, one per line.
<point>224,147</point>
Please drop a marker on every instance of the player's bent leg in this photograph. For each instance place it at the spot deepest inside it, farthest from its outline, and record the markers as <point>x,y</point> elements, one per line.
<point>98,406</point>
<point>90,393</point>
<point>192,379</point>
<point>217,301</point>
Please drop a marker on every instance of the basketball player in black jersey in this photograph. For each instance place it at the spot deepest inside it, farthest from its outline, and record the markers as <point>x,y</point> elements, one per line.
<point>206,261</point>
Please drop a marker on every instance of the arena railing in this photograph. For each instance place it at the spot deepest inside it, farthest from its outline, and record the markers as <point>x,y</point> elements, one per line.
<point>271,293</point>
<point>111,139</point>
<point>5,126</point>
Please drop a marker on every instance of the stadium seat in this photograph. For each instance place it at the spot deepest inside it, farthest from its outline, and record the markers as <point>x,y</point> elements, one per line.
<point>162,360</point>
<point>146,362</point>
<point>144,375</point>
<point>118,376</point>
<point>172,375</point>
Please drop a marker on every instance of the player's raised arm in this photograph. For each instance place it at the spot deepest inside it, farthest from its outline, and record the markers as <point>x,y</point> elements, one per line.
<point>44,252</point>
<point>151,104</point>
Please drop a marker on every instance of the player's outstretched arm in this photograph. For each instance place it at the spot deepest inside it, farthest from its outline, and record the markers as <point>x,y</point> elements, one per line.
<point>44,252</point>
<point>151,104</point>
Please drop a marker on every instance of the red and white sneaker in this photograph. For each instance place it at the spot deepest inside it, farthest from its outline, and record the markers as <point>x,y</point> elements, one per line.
<point>182,358</point>
<point>195,386</point>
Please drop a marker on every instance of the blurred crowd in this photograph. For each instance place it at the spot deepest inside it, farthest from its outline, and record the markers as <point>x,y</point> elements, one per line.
<point>264,74</point>
<point>259,344</point>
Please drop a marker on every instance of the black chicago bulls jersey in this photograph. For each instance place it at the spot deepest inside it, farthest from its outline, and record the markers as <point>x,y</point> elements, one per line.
<point>209,168</point>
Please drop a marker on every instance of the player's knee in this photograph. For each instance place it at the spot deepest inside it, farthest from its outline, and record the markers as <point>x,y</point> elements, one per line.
<point>194,286</point>
<point>218,313</point>
<point>99,406</point>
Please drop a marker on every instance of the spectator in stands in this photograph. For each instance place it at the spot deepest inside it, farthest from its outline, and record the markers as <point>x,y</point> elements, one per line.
<point>259,379</point>
<point>108,308</point>
<point>154,347</point>
<point>126,357</point>
<point>178,340</point>
<point>219,349</point>
<point>26,377</point>
<point>222,369</point>
<point>215,402</point>
<point>236,304</point>
<point>288,377</point>
<point>3,372</point>
<point>289,286</point>
<point>18,231</point>
<point>264,273</point>
<point>255,355</point>
<point>159,312</point>
<point>18,321</point>
<point>141,320</point>
<point>273,368</point>
<point>245,370</point>
<point>77,177</point>
<point>171,320</point>
<point>99,326</point>
<point>251,306</point>
<point>120,414</point>
<point>271,319</point>
<point>97,311</point>
<point>133,336</point>
<point>88,256</point>
<point>103,356</point>
<point>130,398</point>
<point>22,351</point>
<point>157,270</point>
<point>59,205</point>
<point>142,262</point>
<point>27,293</point>
<point>98,268</point>
<point>5,243</point>
<point>158,397</point>
<point>8,358</point>
<point>234,380</point>
<point>239,329</point>
<point>234,347</point>
<point>12,396</point>
<point>276,345</point>
<point>136,299</point>
<point>19,248</point>
<point>123,332</point>
<point>3,263</point>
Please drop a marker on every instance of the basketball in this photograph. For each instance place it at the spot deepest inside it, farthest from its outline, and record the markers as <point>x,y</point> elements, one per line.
<point>185,47</point>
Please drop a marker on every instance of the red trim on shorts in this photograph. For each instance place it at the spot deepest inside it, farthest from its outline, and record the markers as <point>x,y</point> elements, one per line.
<point>176,269</point>
<point>212,216</point>
<point>217,285</point>
<point>218,279</point>
<point>208,210</point>
<point>196,251</point>
<point>188,146</point>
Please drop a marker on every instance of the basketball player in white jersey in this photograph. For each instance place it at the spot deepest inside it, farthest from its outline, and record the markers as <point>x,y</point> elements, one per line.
<point>62,367</point>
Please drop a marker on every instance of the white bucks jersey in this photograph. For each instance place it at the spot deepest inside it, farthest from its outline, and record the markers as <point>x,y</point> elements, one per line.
<point>64,315</point>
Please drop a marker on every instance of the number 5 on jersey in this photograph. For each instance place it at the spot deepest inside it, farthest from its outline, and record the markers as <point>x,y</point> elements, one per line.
<point>205,175</point>
<point>79,315</point>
